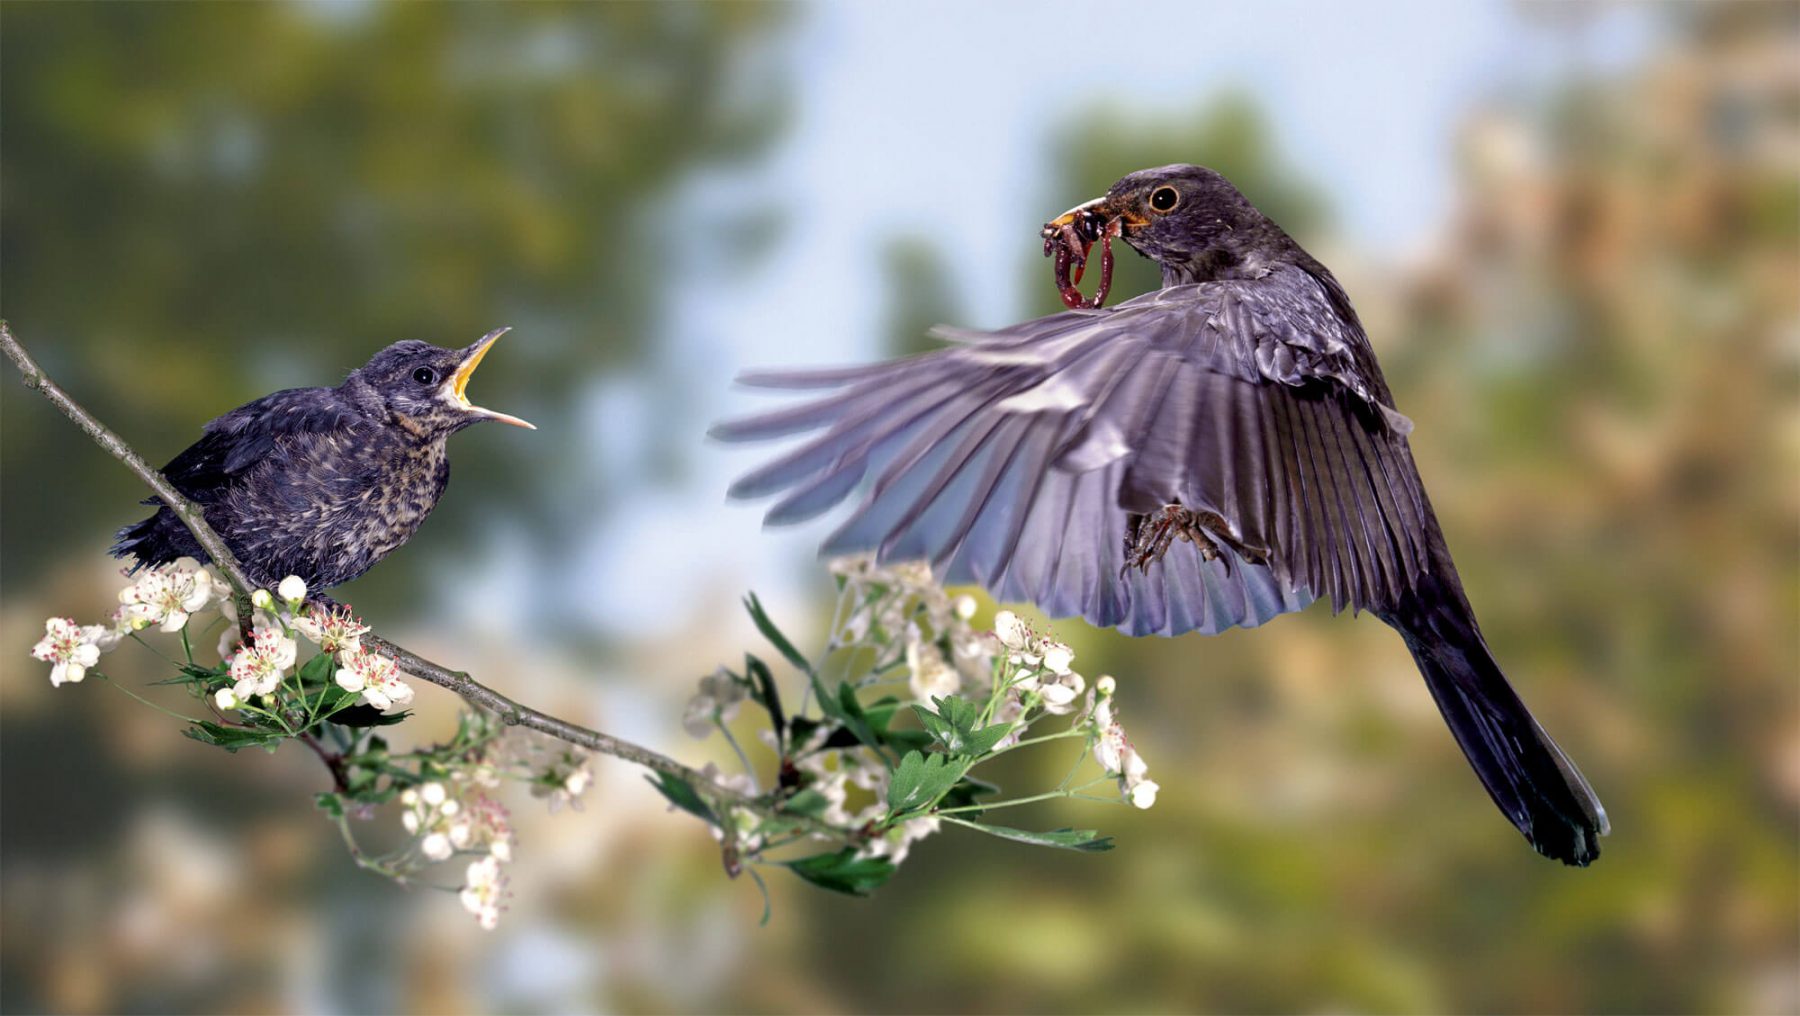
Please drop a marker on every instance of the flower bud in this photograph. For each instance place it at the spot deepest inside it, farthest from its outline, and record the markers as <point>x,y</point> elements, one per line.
<point>292,589</point>
<point>1106,685</point>
<point>224,698</point>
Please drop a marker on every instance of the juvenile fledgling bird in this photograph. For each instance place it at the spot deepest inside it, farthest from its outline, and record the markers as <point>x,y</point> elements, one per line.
<point>323,482</point>
<point>1210,455</point>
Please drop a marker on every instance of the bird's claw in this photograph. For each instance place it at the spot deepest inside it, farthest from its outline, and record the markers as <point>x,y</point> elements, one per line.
<point>1152,535</point>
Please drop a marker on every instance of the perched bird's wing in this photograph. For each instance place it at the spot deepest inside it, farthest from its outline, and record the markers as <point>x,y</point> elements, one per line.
<point>1018,459</point>
<point>254,433</point>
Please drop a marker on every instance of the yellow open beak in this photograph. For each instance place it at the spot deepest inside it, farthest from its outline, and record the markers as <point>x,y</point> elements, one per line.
<point>459,381</point>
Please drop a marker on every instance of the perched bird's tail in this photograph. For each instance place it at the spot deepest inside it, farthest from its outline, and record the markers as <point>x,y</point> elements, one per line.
<point>1529,777</point>
<point>159,539</point>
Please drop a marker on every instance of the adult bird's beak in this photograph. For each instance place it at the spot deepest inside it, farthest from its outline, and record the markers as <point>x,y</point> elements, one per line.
<point>1099,211</point>
<point>459,381</point>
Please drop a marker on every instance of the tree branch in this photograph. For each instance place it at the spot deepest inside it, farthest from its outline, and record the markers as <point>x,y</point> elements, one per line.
<point>472,691</point>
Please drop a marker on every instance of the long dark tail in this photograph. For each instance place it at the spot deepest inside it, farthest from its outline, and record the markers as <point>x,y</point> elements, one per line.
<point>1529,777</point>
<point>159,539</point>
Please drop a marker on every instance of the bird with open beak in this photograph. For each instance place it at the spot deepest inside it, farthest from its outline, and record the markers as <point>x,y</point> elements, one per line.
<point>1211,455</point>
<point>323,482</point>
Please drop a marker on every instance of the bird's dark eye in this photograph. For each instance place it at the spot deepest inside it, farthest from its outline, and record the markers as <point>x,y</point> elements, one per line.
<point>1164,199</point>
<point>424,375</point>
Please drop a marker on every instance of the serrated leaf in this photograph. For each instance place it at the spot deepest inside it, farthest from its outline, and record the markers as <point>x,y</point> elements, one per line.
<point>922,779</point>
<point>934,724</point>
<point>1085,840</point>
<point>330,804</point>
<point>842,872</point>
<point>983,741</point>
<point>682,795</point>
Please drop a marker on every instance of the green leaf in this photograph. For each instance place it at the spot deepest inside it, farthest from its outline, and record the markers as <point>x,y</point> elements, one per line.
<point>232,738</point>
<point>682,795</point>
<point>368,716</point>
<point>774,635</point>
<point>842,872</point>
<point>318,670</point>
<point>763,690</point>
<point>847,710</point>
<point>330,804</point>
<point>953,726</point>
<point>1086,840</point>
<point>808,802</point>
<point>922,779</point>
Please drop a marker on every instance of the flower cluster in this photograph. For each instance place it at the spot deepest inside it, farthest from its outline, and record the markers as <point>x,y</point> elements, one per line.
<point>1042,665</point>
<point>859,775</point>
<point>1114,751</point>
<point>900,611</point>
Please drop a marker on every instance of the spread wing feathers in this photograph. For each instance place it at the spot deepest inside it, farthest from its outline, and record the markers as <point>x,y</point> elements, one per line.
<point>1017,459</point>
<point>250,434</point>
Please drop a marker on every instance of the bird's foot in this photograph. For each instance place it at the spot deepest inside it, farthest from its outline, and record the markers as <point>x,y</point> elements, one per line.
<point>1152,535</point>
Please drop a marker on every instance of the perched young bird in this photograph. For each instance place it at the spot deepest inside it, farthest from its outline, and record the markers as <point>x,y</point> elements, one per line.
<point>1206,456</point>
<point>323,482</point>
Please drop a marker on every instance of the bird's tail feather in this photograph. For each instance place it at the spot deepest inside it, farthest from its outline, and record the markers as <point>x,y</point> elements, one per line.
<point>1528,776</point>
<point>159,539</point>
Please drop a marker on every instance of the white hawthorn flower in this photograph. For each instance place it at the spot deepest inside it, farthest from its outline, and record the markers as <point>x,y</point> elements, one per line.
<point>563,779</point>
<point>259,667</point>
<point>931,675</point>
<point>69,648</point>
<point>719,696</point>
<point>376,677</point>
<point>1115,754</point>
<point>1057,657</point>
<point>167,595</point>
<point>1059,695</point>
<point>292,589</point>
<point>484,890</point>
<point>1013,632</point>
<point>333,629</point>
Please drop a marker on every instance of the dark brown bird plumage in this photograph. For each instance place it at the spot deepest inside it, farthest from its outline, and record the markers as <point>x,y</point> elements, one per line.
<point>323,482</point>
<point>1210,455</point>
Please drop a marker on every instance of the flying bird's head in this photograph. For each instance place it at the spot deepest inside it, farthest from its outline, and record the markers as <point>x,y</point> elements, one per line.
<point>425,385</point>
<point>1185,218</point>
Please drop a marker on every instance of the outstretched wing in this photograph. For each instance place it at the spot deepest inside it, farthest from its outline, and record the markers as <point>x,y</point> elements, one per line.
<point>1018,459</point>
<point>251,434</point>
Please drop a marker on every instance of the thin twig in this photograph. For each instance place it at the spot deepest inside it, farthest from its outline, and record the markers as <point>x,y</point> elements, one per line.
<point>472,691</point>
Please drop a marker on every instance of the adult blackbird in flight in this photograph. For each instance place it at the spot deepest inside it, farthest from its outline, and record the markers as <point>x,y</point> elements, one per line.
<point>323,482</point>
<point>1209,455</point>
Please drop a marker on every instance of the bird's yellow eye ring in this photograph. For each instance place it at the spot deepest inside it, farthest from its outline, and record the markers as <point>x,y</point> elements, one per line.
<point>1163,200</point>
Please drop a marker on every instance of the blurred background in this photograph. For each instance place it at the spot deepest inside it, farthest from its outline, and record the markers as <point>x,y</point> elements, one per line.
<point>1573,231</point>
